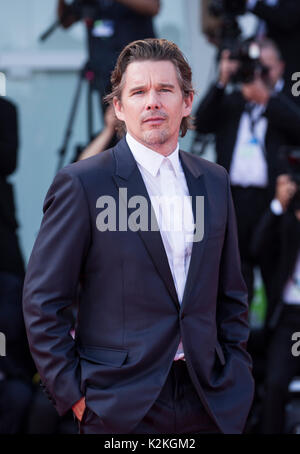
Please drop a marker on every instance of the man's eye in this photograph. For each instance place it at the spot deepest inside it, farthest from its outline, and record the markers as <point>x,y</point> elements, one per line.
<point>138,92</point>
<point>165,89</point>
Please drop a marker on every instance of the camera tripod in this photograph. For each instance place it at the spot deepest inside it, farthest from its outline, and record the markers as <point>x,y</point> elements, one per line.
<point>88,12</point>
<point>85,74</point>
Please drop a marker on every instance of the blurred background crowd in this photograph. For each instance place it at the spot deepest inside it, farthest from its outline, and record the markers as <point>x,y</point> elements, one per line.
<point>55,62</point>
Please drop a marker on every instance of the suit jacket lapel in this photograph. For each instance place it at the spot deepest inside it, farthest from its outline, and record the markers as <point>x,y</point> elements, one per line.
<point>196,185</point>
<point>128,176</point>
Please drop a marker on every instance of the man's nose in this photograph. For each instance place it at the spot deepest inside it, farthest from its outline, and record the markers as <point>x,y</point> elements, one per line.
<point>153,101</point>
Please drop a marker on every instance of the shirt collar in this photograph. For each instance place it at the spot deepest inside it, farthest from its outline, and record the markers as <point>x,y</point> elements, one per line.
<point>151,160</point>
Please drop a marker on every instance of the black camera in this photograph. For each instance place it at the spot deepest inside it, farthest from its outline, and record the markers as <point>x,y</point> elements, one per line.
<point>84,9</point>
<point>223,7</point>
<point>247,53</point>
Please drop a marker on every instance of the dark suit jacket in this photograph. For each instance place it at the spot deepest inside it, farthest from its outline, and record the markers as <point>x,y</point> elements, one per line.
<point>279,238</point>
<point>130,321</point>
<point>10,255</point>
<point>18,362</point>
<point>220,113</point>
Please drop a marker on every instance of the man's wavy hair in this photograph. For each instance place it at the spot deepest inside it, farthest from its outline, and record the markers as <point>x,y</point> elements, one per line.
<point>154,50</point>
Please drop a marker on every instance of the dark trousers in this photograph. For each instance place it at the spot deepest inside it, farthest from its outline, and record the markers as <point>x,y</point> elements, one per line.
<point>178,410</point>
<point>250,204</point>
<point>15,399</point>
<point>16,367</point>
<point>282,367</point>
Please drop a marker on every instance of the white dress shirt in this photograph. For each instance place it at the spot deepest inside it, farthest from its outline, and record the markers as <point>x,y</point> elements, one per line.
<point>166,184</point>
<point>249,166</point>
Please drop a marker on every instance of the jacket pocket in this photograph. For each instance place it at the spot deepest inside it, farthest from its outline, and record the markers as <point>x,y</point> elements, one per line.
<point>103,355</point>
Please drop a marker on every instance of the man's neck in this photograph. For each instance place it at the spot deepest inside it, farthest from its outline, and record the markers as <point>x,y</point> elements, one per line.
<point>164,149</point>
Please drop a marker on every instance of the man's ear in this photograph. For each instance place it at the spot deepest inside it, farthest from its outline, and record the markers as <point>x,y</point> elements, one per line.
<point>118,109</point>
<point>188,104</point>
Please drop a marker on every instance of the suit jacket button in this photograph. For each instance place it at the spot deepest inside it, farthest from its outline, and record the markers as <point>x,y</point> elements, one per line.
<point>182,315</point>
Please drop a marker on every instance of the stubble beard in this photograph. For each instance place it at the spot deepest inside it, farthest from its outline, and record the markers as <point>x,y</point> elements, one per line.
<point>156,137</point>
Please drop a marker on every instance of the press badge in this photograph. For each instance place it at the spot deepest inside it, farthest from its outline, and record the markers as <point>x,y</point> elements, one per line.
<point>103,28</point>
<point>251,149</point>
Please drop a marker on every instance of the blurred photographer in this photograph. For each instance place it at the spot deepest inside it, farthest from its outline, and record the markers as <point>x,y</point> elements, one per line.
<point>280,21</point>
<point>278,234</point>
<point>250,124</point>
<point>16,368</point>
<point>111,25</point>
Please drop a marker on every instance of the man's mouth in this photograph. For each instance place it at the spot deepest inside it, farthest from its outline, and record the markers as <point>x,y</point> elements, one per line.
<point>154,120</point>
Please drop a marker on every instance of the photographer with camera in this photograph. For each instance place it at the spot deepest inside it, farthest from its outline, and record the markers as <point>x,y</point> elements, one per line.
<point>111,25</point>
<point>280,21</point>
<point>250,125</point>
<point>278,234</point>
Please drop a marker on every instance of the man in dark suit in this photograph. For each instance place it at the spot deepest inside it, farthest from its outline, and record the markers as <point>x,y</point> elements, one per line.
<point>160,343</point>
<point>250,124</point>
<point>16,368</point>
<point>11,260</point>
<point>278,233</point>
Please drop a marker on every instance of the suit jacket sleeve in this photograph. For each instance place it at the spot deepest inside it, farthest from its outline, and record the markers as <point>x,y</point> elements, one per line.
<point>209,112</point>
<point>232,304</point>
<point>51,286</point>
<point>266,238</point>
<point>285,16</point>
<point>284,115</point>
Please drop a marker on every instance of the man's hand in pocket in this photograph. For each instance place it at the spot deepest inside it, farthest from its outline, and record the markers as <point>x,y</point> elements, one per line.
<point>78,408</point>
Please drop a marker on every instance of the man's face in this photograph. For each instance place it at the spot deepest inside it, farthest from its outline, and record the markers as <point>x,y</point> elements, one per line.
<point>270,59</point>
<point>152,104</point>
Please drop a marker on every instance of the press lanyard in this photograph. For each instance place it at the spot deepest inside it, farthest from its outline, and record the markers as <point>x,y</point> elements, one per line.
<point>249,109</point>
